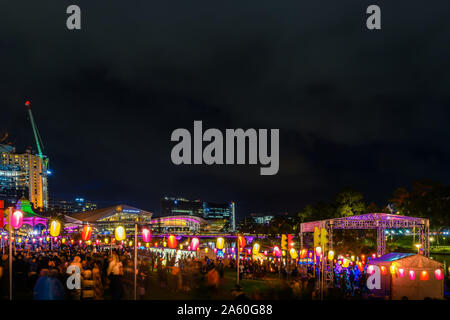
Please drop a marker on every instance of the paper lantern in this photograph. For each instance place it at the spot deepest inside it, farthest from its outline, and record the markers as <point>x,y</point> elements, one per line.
<point>370,269</point>
<point>63,240</point>
<point>119,233</point>
<point>256,248</point>
<point>330,255</point>
<point>401,272</point>
<point>318,251</point>
<point>242,242</point>
<point>17,219</point>
<point>86,233</point>
<point>438,274</point>
<point>55,228</point>
<point>383,270</point>
<point>304,253</point>
<point>352,258</point>
<point>310,255</point>
<point>392,269</point>
<point>172,242</point>
<point>412,275</point>
<point>106,240</point>
<point>220,243</point>
<point>424,275</point>
<point>345,263</point>
<point>293,253</point>
<point>360,266</point>
<point>72,241</point>
<point>195,243</point>
<point>276,251</point>
<point>146,235</point>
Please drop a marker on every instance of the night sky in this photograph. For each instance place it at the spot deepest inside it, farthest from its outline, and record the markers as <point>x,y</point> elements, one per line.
<point>355,108</point>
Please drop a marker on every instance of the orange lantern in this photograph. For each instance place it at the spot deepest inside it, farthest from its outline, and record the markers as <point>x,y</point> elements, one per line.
<point>146,235</point>
<point>383,270</point>
<point>360,266</point>
<point>86,233</point>
<point>172,242</point>
<point>195,243</point>
<point>17,219</point>
<point>55,228</point>
<point>241,241</point>
<point>424,275</point>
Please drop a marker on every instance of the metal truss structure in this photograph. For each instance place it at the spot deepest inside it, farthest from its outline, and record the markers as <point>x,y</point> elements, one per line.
<point>379,221</point>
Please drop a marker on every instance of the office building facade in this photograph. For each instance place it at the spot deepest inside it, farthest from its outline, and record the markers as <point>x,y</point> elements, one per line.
<point>22,175</point>
<point>219,215</point>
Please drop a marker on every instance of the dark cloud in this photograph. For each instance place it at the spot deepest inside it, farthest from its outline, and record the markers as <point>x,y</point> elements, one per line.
<point>355,108</point>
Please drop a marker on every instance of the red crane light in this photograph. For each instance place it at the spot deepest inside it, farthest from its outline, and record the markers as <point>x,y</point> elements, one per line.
<point>28,104</point>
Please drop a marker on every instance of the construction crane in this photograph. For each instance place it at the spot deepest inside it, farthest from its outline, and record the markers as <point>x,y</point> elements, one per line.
<point>45,171</point>
<point>39,143</point>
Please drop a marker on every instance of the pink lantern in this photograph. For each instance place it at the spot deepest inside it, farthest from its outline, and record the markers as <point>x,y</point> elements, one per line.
<point>17,219</point>
<point>146,235</point>
<point>401,273</point>
<point>277,252</point>
<point>195,243</point>
<point>438,274</point>
<point>412,275</point>
<point>370,269</point>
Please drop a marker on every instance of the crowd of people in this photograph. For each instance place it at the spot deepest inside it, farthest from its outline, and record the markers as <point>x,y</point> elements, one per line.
<point>42,274</point>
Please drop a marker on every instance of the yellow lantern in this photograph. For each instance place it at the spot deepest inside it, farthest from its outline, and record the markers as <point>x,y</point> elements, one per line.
<point>345,263</point>
<point>106,240</point>
<point>392,268</point>
<point>293,253</point>
<point>206,250</point>
<point>330,255</point>
<point>220,243</point>
<point>130,243</point>
<point>55,228</point>
<point>63,240</point>
<point>256,248</point>
<point>119,233</point>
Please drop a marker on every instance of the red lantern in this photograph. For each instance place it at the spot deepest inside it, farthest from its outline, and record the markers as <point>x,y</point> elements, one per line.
<point>86,233</point>
<point>241,241</point>
<point>146,235</point>
<point>195,244</point>
<point>172,242</point>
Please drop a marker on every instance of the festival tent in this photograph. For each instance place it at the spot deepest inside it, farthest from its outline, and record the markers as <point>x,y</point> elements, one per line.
<point>406,276</point>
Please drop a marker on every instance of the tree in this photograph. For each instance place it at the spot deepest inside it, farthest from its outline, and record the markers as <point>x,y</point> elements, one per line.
<point>427,199</point>
<point>350,203</point>
<point>372,208</point>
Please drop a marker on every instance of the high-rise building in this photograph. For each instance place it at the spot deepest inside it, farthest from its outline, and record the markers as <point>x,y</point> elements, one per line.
<point>21,175</point>
<point>221,215</point>
<point>69,207</point>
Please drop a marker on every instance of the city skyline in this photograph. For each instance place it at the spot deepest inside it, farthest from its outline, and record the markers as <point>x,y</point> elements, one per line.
<point>354,109</point>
